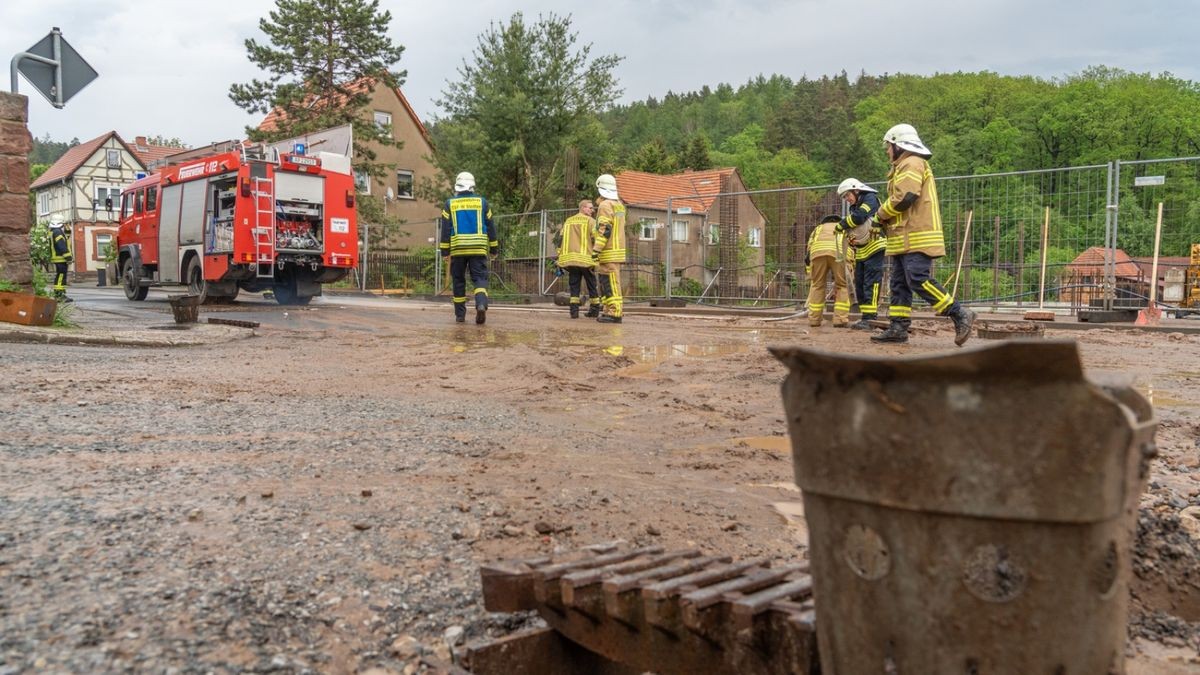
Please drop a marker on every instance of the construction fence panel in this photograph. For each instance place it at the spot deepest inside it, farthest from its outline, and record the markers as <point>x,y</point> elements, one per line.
<point>996,224</point>
<point>1142,188</point>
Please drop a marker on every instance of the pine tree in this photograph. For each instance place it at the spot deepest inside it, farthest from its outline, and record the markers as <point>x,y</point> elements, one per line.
<point>653,157</point>
<point>695,155</point>
<point>323,60</point>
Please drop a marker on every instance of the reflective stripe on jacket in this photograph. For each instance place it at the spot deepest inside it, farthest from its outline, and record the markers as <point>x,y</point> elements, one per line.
<point>466,226</point>
<point>919,228</point>
<point>823,242</point>
<point>610,231</point>
<point>60,248</point>
<point>577,241</point>
<point>859,214</point>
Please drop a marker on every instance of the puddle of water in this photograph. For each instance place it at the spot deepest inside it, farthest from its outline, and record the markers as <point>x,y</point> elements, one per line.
<point>661,353</point>
<point>777,444</point>
<point>1163,399</point>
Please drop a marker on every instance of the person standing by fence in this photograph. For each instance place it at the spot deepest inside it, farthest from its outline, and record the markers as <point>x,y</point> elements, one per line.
<point>912,220</point>
<point>867,246</point>
<point>575,256</point>
<point>609,247</point>
<point>468,237</point>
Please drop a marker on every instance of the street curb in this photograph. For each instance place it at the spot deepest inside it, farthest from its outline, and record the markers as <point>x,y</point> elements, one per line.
<point>208,335</point>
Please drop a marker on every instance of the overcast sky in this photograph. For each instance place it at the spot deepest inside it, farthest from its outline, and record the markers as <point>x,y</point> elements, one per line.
<point>166,65</point>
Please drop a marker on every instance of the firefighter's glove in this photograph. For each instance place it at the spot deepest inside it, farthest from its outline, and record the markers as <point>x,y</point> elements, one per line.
<point>808,270</point>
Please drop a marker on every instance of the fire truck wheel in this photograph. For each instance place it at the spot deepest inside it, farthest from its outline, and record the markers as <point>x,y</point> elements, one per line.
<point>285,294</point>
<point>195,280</point>
<point>133,290</point>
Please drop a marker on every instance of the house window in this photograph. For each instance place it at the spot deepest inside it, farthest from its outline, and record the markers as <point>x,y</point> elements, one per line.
<point>404,184</point>
<point>646,228</point>
<point>362,182</point>
<point>754,237</point>
<point>113,160</point>
<point>714,234</point>
<point>103,243</point>
<point>383,120</point>
<point>105,193</point>
<point>679,230</point>
<point>43,203</point>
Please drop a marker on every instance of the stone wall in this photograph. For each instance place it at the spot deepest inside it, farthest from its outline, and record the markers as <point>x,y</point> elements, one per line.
<point>15,144</point>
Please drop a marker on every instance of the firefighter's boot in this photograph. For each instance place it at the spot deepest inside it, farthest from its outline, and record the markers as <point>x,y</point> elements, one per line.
<point>963,319</point>
<point>864,323</point>
<point>609,318</point>
<point>896,332</point>
<point>593,310</point>
<point>481,307</point>
<point>574,310</point>
<point>61,297</point>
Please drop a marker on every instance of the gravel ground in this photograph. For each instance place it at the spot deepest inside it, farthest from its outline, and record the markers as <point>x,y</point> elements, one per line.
<point>318,498</point>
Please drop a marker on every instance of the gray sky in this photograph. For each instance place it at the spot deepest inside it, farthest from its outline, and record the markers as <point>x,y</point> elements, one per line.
<point>165,66</point>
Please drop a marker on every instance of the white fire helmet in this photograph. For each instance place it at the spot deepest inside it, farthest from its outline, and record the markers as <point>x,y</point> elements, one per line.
<point>464,182</point>
<point>607,186</point>
<point>853,184</point>
<point>57,220</point>
<point>905,136</point>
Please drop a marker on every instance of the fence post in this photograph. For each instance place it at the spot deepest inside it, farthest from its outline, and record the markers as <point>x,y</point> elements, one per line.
<point>1112,202</point>
<point>542,253</point>
<point>670,235</point>
<point>365,254</point>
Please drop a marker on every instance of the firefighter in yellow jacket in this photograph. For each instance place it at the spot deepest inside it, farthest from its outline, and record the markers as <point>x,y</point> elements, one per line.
<point>609,247</point>
<point>912,221</point>
<point>60,256</point>
<point>575,257</point>
<point>826,258</point>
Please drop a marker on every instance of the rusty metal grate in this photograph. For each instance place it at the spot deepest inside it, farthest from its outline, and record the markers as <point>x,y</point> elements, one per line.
<point>648,609</point>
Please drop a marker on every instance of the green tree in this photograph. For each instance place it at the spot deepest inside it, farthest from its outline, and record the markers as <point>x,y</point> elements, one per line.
<point>164,142</point>
<point>47,151</point>
<point>653,157</point>
<point>323,59</point>
<point>527,93</point>
<point>695,155</point>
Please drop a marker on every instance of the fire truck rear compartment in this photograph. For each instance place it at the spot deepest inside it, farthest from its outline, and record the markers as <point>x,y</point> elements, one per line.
<point>299,213</point>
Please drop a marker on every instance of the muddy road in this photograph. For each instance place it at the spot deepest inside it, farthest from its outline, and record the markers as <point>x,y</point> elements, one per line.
<point>308,499</point>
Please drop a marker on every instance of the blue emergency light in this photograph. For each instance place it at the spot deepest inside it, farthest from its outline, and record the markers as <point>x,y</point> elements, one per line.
<point>298,148</point>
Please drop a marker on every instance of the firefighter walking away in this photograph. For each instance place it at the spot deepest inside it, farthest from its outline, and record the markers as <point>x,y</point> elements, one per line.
<point>575,257</point>
<point>468,237</point>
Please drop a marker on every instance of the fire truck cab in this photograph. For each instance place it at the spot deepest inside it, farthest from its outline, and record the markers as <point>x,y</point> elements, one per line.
<point>248,218</point>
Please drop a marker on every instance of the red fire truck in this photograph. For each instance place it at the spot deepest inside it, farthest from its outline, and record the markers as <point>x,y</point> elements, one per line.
<point>247,218</point>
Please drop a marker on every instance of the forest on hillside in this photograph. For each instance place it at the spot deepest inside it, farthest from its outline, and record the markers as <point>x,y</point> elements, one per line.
<point>777,131</point>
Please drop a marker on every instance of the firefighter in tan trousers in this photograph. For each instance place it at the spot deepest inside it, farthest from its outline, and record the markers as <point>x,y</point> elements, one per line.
<point>826,257</point>
<point>575,257</point>
<point>609,247</point>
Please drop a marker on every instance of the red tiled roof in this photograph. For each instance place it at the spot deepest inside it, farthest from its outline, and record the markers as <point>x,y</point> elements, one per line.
<point>148,154</point>
<point>1166,262</point>
<point>273,118</point>
<point>1091,263</point>
<point>74,158</point>
<point>70,162</point>
<point>638,188</point>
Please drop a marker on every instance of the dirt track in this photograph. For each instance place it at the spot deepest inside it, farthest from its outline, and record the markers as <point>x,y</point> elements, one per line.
<point>300,500</point>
